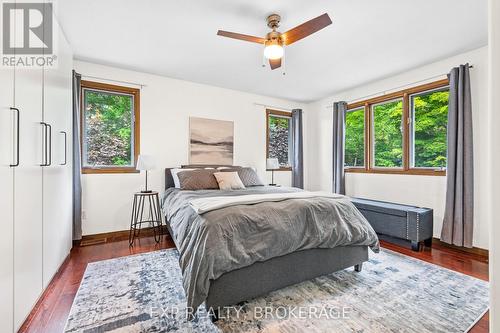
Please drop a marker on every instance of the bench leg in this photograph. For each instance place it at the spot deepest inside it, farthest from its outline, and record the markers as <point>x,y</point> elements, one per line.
<point>415,246</point>
<point>358,267</point>
<point>428,242</point>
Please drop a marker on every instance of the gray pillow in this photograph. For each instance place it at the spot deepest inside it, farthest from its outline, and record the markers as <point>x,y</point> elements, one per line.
<point>202,179</point>
<point>248,176</point>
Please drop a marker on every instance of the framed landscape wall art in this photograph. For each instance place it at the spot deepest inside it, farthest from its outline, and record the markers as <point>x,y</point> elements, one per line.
<point>210,141</point>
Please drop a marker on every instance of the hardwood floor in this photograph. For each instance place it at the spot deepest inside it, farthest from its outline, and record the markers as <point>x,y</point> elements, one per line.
<point>53,308</point>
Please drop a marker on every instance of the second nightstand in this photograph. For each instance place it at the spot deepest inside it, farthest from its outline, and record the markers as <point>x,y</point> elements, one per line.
<point>152,211</point>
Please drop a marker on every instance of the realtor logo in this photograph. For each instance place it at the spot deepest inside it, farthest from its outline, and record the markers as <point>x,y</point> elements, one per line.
<point>27,34</point>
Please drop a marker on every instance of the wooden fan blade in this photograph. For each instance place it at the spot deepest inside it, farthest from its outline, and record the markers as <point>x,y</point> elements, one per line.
<point>306,29</point>
<point>235,35</point>
<point>275,63</point>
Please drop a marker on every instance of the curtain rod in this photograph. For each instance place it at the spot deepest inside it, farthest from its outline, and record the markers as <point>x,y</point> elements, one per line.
<point>111,80</point>
<point>273,107</point>
<point>382,93</point>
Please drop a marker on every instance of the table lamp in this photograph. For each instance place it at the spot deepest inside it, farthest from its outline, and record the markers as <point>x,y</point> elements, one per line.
<point>145,162</point>
<point>272,164</point>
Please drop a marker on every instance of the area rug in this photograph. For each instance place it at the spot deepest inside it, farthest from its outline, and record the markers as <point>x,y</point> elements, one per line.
<point>393,293</point>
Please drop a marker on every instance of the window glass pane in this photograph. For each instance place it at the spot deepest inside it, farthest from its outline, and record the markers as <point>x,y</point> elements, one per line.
<point>388,134</point>
<point>279,139</point>
<point>354,155</point>
<point>430,118</point>
<point>108,129</point>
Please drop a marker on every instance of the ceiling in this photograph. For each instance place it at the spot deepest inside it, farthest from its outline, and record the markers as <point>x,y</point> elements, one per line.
<point>368,40</point>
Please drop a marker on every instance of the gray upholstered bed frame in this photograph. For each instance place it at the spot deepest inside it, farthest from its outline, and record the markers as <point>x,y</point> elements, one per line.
<point>263,277</point>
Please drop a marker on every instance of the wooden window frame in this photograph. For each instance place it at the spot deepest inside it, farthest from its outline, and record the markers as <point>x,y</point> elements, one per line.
<point>405,95</point>
<point>112,89</point>
<point>279,113</point>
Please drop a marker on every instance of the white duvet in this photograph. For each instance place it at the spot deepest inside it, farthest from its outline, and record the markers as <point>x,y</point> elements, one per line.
<point>204,205</point>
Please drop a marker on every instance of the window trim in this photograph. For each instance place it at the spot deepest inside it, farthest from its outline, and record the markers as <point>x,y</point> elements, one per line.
<point>405,95</point>
<point>278,113</point>
<point>112,89</point>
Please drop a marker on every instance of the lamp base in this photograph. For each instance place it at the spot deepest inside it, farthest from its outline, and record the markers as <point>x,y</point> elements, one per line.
<point>146,191</point>
<point>272,184</point>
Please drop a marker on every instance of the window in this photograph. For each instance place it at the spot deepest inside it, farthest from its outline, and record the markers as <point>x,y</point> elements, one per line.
<point>355,138</point>
<point>279,133</point>
<point>429,117</point>
<point>402,132</point>
<point>388,134</point>
<point>110,128</point>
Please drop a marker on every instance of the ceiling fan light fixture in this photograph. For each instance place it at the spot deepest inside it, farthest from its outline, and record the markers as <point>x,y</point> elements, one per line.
<point>273,50</point>
<point>275,40</point>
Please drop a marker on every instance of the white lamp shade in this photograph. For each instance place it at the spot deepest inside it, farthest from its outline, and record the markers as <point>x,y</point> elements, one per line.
<point>272,164</point>
<point>145,162</point>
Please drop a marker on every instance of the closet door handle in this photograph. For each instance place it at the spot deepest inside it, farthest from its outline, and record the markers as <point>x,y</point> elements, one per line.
<point>18,117</point>
<point>50,145</point>
<point>44,154</point>
<point>65,147</point>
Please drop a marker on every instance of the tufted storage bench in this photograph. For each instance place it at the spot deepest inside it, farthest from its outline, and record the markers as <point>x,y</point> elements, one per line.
<point>411,223</point>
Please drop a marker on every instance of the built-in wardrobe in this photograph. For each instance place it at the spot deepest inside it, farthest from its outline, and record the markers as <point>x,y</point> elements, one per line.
<point>35,180</point>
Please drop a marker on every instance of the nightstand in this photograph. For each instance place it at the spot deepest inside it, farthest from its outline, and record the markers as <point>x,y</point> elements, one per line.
<point>152,212</point>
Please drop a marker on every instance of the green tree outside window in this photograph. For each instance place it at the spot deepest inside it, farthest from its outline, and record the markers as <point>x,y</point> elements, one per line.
<point>430,119</point>
<point>388,134</point>
<point>355,138</point>
<point>108,128</point>
<point>279,139</point>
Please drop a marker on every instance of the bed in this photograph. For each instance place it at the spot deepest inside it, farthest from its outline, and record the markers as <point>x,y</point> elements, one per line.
<point>241,276</point>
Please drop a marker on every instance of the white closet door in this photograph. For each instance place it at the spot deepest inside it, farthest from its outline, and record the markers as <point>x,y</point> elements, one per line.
<point>28,256</point>
<point>57,178</point>
<point>8,119</point>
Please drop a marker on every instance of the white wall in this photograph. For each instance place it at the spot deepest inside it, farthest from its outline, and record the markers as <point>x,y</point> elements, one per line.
<point>427,191</point>
<point>166,105</point>
<point>494,161</point>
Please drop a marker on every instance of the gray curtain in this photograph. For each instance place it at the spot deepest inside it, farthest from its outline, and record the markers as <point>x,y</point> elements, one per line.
<point>77,165</point>
<point>297,150</point>
<point>339,109</point>
<point>459,211</point>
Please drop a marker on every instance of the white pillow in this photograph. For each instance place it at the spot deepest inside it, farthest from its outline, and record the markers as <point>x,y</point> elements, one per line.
<point>177,183</point>
<point>229,181</point>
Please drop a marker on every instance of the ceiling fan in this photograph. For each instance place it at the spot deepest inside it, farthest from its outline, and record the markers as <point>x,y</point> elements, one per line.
<point>275,40</point>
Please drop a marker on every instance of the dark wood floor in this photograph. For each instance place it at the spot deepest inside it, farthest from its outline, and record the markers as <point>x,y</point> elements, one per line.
<point>53,308</point>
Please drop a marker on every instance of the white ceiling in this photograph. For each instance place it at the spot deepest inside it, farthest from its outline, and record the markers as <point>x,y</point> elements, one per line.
<point>368,39</point>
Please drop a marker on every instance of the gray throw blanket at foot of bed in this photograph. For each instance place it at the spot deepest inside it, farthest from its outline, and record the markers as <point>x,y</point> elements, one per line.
<point>229,238</point>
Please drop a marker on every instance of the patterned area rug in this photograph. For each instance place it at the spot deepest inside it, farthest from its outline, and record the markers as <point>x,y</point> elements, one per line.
<point>393,293</point>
